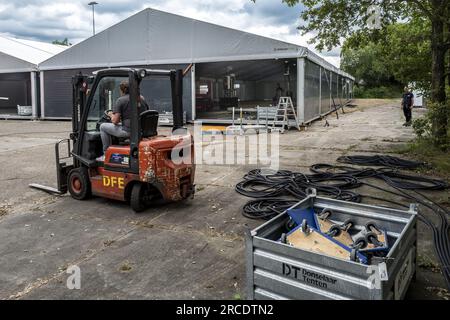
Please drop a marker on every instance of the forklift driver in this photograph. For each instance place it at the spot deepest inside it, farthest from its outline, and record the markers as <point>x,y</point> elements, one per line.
<point>120,118</point>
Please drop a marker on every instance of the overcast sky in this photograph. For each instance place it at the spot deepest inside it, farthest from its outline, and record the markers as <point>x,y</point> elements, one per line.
<point>47,20</point>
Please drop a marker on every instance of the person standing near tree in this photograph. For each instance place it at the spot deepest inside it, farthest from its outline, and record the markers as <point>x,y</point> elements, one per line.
<point>407,104</point>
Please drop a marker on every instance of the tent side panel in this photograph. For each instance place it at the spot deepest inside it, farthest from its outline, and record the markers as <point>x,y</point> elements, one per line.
<point>312,91</point>
<point>326,86</point>
<point>301,89</point>
<point>58,92</point>
<point>334,89</point>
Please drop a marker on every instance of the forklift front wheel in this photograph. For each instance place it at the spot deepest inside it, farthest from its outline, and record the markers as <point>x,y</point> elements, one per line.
<point>137,202</point>
<point>79,184</point>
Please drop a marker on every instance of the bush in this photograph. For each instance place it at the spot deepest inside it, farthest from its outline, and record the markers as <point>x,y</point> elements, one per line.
<point>422,128</point>
<point>426,126</point>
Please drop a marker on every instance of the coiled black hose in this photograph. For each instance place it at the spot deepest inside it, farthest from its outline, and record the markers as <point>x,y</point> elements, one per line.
<point>277,192</point>
<point>266,209</point>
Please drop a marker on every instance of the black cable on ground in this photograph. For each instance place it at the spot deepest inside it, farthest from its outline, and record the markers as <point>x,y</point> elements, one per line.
<point>266,209</point>
<point>277,192</point>
<point>381,160</point>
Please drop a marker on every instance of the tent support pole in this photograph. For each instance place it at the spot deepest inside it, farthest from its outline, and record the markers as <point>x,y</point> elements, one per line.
<point>331,90</point>
<point>33,94</point>
<point>193,93</point>
<point>320,90</point>
<point>41,76</point>
<point>301,90</point>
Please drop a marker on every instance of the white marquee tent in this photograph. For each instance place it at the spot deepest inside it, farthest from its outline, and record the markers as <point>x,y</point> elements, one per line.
<point>154,38</point>
<point>19,61</point>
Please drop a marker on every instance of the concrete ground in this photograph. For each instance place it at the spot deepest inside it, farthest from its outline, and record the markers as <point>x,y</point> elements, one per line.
<point>188,250</point>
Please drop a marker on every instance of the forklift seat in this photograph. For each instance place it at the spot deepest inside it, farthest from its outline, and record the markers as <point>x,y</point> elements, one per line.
<point>149,123</point>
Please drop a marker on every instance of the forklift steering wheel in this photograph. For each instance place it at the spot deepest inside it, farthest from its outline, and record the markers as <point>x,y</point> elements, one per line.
<point>107,113</point>
<point>104,119</point>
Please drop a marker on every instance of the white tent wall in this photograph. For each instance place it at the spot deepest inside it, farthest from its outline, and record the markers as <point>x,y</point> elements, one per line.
<point>152,37</point>
<point>56,91</point>
<point>312,91</point>
<point>320,91</point>
<point>325,92</point>
<point>301,66</point>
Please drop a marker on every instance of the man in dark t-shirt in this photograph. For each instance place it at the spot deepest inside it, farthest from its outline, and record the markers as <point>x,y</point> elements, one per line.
<point>120,115</point>
<point>407,104</point>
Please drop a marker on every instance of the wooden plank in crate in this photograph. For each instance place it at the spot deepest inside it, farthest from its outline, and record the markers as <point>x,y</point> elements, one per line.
<point>315,242</point>
<point>345,238</point>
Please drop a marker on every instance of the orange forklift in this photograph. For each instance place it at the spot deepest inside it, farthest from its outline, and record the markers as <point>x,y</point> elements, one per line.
<point>144,168</point>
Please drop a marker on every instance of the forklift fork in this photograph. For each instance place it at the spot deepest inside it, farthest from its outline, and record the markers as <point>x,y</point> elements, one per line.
<point>62,170</point>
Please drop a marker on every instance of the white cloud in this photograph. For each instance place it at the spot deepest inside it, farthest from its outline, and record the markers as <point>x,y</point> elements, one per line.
<point>47,21</point>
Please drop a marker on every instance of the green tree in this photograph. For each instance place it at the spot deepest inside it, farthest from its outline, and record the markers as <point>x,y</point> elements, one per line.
<point>407,52</point>
<point>400,55</point>
<point>65,42</point>
<point>332,20</point>
<point>367,64</point>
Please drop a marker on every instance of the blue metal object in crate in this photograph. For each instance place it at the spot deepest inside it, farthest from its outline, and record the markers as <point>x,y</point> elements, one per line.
<point>299,215</point>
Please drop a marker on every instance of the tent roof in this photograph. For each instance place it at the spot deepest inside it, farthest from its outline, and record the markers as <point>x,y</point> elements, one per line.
<point>24,55</point>
<point>153,37</point>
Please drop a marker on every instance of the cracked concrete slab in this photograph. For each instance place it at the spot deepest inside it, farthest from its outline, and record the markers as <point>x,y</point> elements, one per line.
<point>151,263</point>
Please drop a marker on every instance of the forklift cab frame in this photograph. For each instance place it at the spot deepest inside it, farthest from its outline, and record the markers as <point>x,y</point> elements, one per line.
<point>82,107</point>
<point>139,172</point>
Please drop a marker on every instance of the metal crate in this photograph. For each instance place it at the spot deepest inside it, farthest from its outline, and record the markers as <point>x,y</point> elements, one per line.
<point>279,271</point>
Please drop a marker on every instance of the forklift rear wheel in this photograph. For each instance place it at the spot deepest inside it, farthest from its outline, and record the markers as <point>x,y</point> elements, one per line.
<point>137,202</point>
<point>79,184</point>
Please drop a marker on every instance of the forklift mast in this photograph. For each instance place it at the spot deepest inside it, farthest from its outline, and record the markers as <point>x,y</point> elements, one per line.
<point>176,78</point>
<point>79,90</point>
